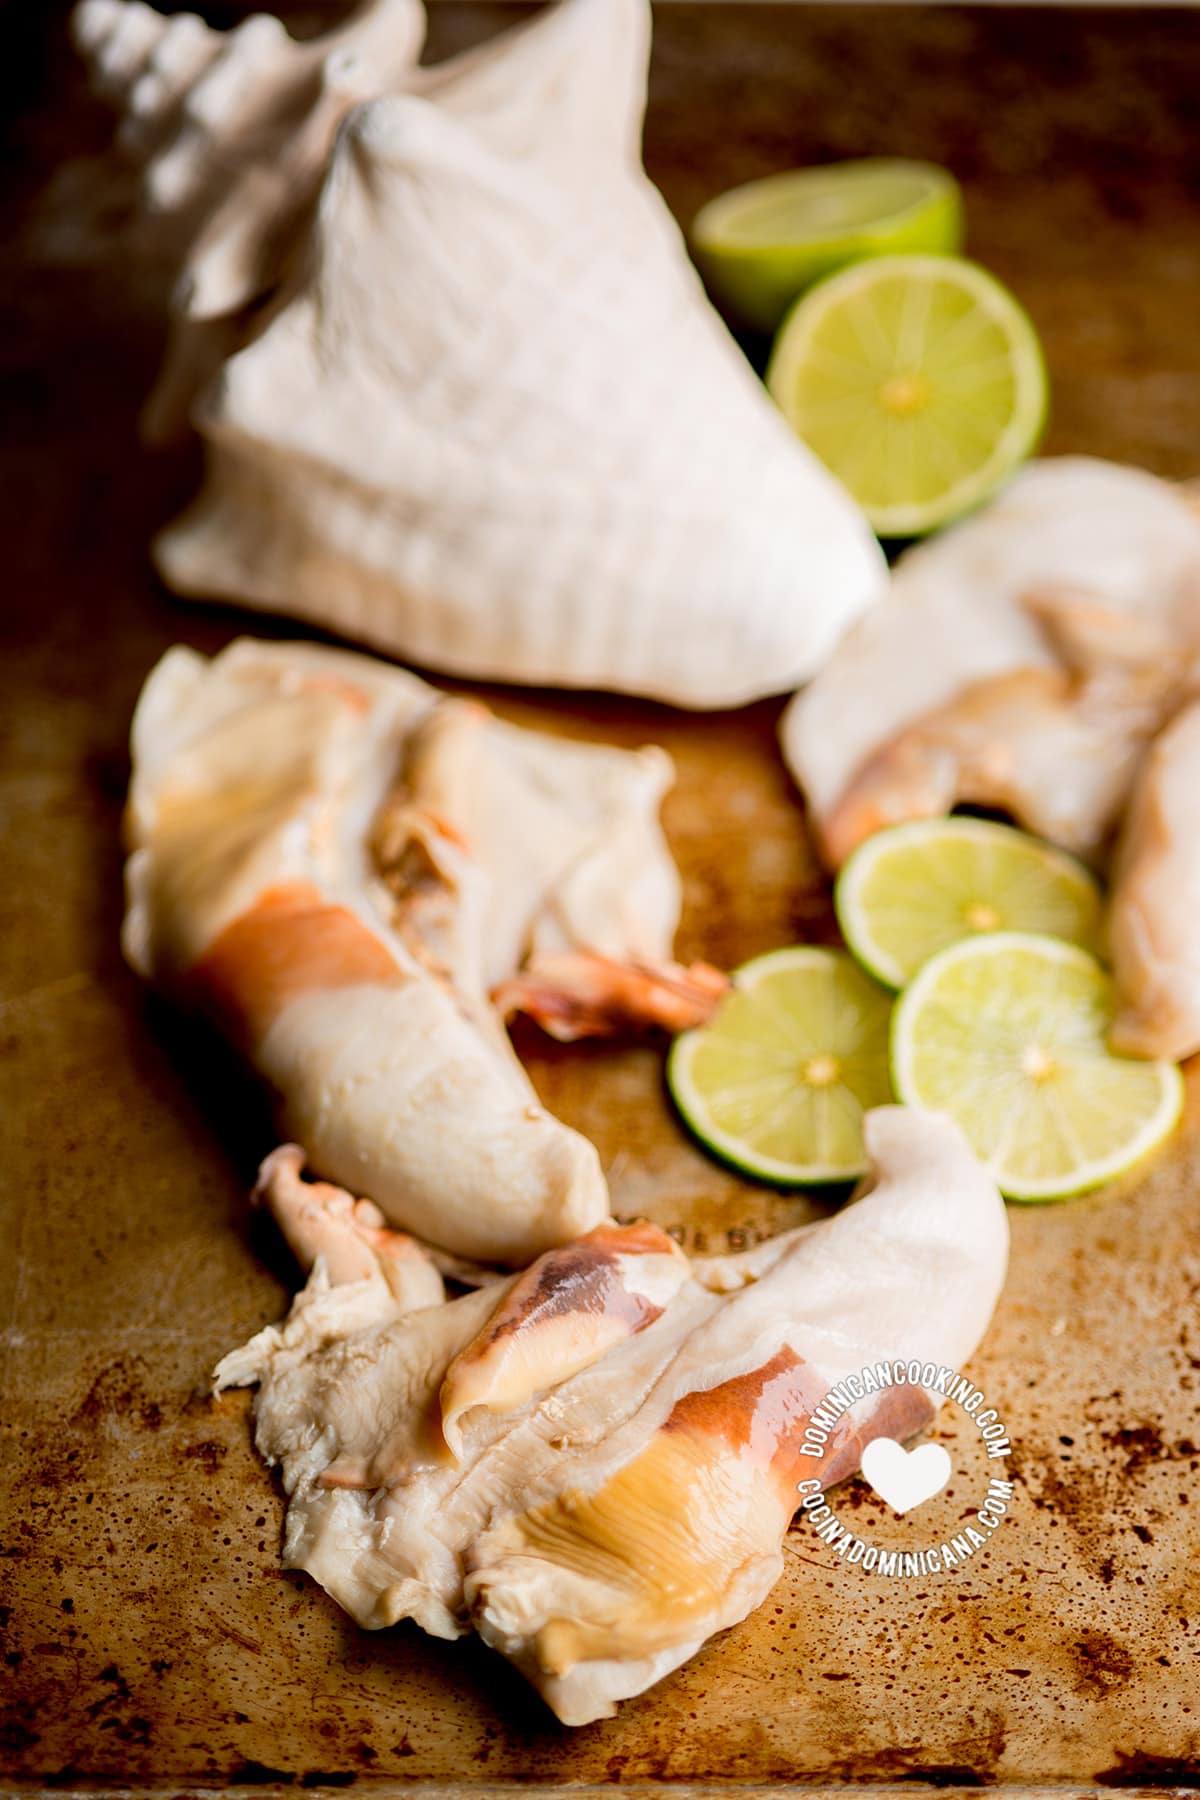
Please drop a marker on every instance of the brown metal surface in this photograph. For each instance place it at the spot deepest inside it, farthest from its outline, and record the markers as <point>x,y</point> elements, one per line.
<point>149,1633</point>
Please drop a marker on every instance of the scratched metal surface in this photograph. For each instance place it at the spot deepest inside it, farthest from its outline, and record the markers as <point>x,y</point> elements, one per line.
<point>149,1634</point>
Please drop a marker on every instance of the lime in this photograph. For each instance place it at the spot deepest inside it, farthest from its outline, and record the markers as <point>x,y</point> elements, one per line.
<point>760,245</point>
<point>910,891</point>
<point>778,1081</point>
<point>918,380</point>
<point>1007,1034</point>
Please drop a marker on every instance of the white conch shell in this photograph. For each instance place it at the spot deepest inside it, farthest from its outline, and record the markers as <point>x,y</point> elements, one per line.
<point>496,428</point>
<point>233,131</point>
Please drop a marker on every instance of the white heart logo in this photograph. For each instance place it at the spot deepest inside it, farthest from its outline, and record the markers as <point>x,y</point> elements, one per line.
<point>905,1478</point>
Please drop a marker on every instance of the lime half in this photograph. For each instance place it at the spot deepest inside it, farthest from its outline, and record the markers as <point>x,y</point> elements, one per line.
<point>1007,1034</point>
<point>760,245</point>
<point>918,380</point>
<point>914,889</point>
<point>778,1081</point>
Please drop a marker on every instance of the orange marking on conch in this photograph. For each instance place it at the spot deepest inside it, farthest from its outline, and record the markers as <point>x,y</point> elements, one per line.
<point>564,1312</point>
<point>764,1414</point>
<point>348,692</point>
<point>290,942</point>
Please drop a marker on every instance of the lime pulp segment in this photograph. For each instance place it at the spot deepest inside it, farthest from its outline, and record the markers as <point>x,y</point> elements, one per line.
<point>912,890</point>
<point>778,1081</point>
<point>918,380</point>
<point>1007,1033</point>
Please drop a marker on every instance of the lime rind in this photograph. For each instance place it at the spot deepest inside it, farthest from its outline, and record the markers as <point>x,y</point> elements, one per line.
<point>762,244</point>
<point>907,892</point>
<point>869,326</point>
<point>961,1036</point>
<point>820,205</point>
<point>738,1082</point>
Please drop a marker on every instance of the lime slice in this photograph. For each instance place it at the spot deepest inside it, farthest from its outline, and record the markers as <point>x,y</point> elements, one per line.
<point>1007,1033</point>
<point>760,245</point>
<point>914,889</point>
<point>778,1082</point>
<point>918,380</point>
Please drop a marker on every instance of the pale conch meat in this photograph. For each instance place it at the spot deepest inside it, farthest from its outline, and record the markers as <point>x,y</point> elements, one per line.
<point>594,1463</point>
<point>560,1316</point>
<point>1023,660</point>
<point>1153,920</point>
<point>490,423</point>
<point>289,878</point>
<point>231,131</point>
<point>582,897</point>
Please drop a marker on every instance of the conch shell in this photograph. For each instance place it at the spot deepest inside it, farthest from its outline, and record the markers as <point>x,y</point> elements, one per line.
<point>491,423</point>
<point>232,130</point>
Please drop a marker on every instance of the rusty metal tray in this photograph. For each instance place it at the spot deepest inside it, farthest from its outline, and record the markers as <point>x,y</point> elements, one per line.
<point>149,1635</point>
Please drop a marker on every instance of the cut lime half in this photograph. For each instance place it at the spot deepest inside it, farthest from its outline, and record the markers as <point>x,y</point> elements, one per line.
<point>760,245</point>
<point>1007,1034</point>
<point>778,1081</point>
<point>918,380</point>
<point>914,889</point>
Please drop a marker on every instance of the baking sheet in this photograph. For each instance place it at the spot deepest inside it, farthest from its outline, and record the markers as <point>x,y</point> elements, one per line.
<point>150,1636</point>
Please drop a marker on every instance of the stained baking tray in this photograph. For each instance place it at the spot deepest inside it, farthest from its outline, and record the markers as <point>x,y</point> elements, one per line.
<point>150,1637</point>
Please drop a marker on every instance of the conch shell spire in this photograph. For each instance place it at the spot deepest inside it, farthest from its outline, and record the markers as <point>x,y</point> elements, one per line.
<point>232,130</point>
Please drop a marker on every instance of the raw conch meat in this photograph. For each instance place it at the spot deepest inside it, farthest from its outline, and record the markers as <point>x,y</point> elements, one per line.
<point>582,896</point>
<point>1023,660</point>
<point>1057,748</point>
<point>232,132</point>
<point>1154,920</point>
<point>595,1463</point>
<point>290,875</point>
<point>491,423</point>
<point>353,1237</point>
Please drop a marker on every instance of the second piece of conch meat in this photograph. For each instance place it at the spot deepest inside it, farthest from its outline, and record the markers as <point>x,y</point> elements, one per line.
<point>489,421</point>
<point>338,864</point>
<point>1154,919</point>
<point>1023,660</point>
<point>594,1463</point>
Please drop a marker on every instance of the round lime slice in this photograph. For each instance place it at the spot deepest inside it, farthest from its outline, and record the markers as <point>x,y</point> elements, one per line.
<point>778,1081</point>
<point>914,889</point>
<point>1007,1033</point>
<point>760,245</point>
<point>918,380</point>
